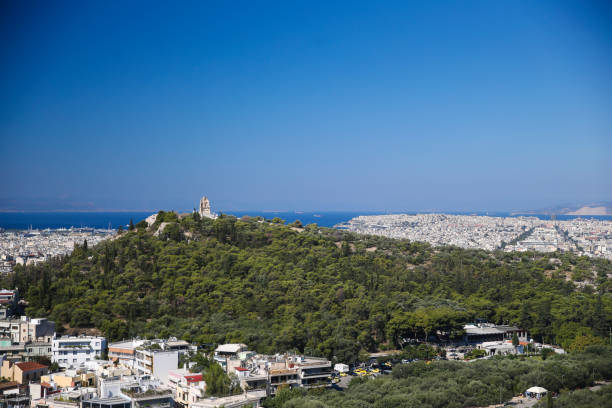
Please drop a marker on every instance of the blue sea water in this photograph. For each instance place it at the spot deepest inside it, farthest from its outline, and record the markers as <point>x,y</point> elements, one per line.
<point>42,220</point>
<point>322,219</point>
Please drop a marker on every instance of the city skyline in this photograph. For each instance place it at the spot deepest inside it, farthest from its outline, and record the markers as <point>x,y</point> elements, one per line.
<point>450,106</point>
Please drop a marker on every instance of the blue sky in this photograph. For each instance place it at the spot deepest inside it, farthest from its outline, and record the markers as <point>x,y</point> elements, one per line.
<point>450,105</point>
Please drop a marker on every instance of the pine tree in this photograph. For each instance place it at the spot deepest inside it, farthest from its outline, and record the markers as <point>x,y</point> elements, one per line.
<point>549,400</point>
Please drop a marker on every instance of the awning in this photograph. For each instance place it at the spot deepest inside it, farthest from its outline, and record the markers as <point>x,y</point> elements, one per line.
<point>537,390</point>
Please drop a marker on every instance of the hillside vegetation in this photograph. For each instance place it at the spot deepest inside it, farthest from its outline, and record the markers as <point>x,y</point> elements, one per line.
<point>315,290</point>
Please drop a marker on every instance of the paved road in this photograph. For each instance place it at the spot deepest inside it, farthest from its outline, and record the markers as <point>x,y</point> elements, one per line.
<point>344,382</point>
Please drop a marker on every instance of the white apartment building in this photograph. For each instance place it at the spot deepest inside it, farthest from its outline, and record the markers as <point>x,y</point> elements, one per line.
<point>73,352</point>
<point>155,362</point>
<point>124,351</point>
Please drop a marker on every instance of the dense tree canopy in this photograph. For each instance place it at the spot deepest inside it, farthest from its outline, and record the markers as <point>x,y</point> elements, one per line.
<point>454,384</point>
<point>584,398</point>
<point>320,291</point>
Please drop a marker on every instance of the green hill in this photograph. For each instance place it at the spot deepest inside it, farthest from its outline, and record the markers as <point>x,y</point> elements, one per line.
<point>320,291</point>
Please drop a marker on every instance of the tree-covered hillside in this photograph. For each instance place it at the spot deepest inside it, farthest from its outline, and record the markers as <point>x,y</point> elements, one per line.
<point>320,291</point>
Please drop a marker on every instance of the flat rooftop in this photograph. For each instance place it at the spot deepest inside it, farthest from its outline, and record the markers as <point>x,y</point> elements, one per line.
<point>229,402</point>
<point>109,400</point>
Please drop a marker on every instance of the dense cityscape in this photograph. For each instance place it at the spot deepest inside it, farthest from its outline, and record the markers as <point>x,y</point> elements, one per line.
<point>34,246</point>
<point>582,236</point>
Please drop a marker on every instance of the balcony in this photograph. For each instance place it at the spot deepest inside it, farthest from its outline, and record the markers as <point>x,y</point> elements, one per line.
<point>316,383</point>
<point>280,380</point>
<point>315,374</point>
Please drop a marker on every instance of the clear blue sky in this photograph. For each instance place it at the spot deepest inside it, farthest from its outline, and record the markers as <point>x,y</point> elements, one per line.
<point>451,105</point>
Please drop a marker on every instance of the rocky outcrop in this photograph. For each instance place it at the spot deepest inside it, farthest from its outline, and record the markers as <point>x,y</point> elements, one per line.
<point>150,220</point>
<point>161,228</point>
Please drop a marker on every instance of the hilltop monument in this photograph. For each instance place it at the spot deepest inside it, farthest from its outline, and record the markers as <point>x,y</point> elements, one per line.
<point>205,208</point>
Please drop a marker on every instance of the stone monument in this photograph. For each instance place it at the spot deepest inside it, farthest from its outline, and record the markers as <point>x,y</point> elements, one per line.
<point>205,208</point>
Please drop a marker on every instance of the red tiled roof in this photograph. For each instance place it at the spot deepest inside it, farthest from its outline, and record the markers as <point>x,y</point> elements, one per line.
<point>241,369</point>
<point>29,366</point>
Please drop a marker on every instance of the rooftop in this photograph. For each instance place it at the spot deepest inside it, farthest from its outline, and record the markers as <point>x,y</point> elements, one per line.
<point>126,344</point>
<point>229,402</point>
<point>175,343</point>
<point>231,348</point>
<point>29,366</point>
<point>64,338</point>
<point>109,400</point>
<point>488,328</point>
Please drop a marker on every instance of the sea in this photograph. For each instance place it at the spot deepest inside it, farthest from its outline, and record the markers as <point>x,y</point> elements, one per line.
<point>54,220</point>
<point>104,220</point>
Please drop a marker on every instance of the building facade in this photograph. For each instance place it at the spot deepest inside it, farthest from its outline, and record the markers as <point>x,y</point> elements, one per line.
<point>8,302</point>
<point>74,352</point>
<point>26,330</point>
<point>124,351</point>
<point>156,362</point>
<point>23,372</point>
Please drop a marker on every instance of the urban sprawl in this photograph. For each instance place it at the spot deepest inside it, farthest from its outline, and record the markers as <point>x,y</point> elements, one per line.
<point>33,246</point>
<point>589,237</point>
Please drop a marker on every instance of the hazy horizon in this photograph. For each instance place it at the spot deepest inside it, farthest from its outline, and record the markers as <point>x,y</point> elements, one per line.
<point>307,210</point>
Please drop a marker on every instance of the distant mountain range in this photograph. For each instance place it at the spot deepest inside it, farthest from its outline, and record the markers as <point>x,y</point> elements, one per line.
<point>600,208</point>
